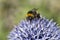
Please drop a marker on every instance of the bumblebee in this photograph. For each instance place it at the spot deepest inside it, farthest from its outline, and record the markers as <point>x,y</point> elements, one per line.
<point>32,14</point>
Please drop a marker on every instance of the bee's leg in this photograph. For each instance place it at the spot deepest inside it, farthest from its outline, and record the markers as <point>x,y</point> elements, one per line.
<point>38,16</point>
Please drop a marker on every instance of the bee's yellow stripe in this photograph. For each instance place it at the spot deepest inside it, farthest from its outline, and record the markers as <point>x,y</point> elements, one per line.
<point>30,15</point>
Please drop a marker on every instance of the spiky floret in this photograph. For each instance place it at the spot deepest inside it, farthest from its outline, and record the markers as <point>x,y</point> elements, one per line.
<point>37,29</point>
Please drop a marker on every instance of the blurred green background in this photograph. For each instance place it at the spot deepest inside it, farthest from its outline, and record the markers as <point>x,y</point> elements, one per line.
<point>12,11</point>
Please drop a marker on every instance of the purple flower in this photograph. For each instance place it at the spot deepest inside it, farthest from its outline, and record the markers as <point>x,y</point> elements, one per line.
<point>37,29</point>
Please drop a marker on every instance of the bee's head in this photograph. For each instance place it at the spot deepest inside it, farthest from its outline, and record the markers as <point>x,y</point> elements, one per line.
<point>33,11</point>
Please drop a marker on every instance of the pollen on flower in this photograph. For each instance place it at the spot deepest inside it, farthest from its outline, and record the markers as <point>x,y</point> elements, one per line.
<point>38,29</point>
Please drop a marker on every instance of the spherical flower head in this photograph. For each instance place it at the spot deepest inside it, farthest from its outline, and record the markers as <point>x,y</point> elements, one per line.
<point>37,29</point>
